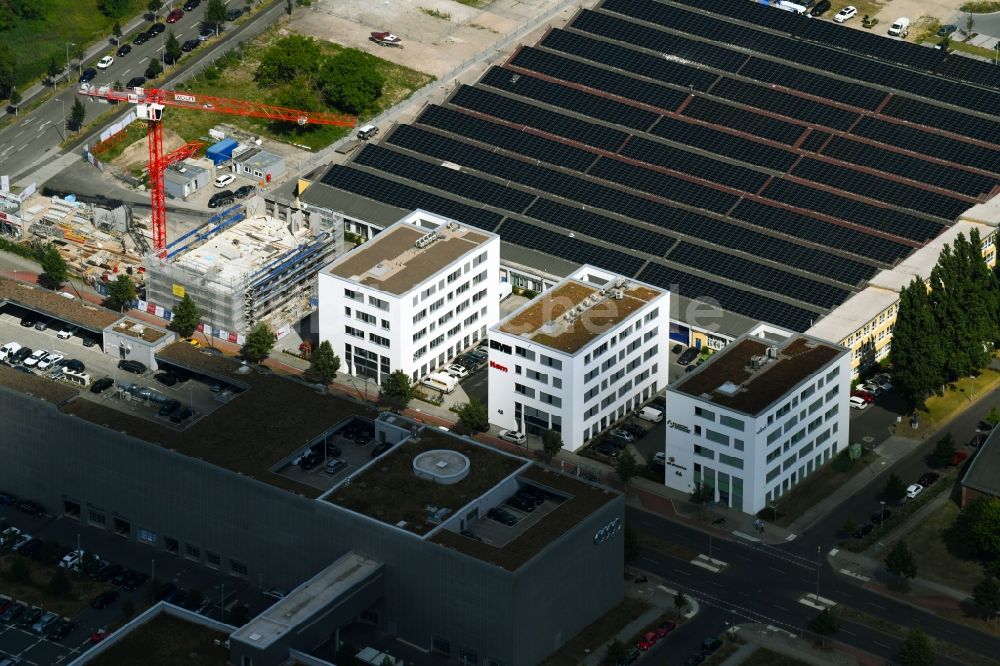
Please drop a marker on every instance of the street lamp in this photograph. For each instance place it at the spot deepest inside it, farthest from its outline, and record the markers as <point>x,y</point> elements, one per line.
<point>818,549</point>
<point>68,44</point>
<point>881,518</point>
<point>62,130</point>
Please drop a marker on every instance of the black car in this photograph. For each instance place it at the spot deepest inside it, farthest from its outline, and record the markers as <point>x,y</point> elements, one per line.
<point>120,577</point>
<point>155,29</point>
<point>131,366</point>
<point>821,8</point>
<point>136,82</point>
<point>181,415</point>
<point>863,531</point>
<point>32,616</point>
<point>235,13</point>
<point>13,612</point>
<point>165,378</point>
<point>689,355</point>
<point>502,517</point>
<point>102,385</point>
<point>190,45</point>
<point>62,629</point>
<point>165,591</point>
<point>221,198</point>
<point>124,50</point>
<point>710,645</point>
<point>245,191</point>
<point>310,461</point>
<point>88,75</point>
<point>880,517</point>
<point>380,449</point>
<point>134,580</point>
<point>108,572</point>
<point>521,503</point>
<point>30,547</point>
<point>89,342</point>
<point>21,354</point>
<point>28,321</point>
<point>531,493</point>
<point>75,365</point>
<point>141,38</point>
<point>6,499</point>
<point>630,658</point>
<point>606,449</point>
<point>104,600</point>
<point>191,4</point>
<point>332,450</point>
<point>31,508</point>
<point>694,660</point>
<point>169,407</point>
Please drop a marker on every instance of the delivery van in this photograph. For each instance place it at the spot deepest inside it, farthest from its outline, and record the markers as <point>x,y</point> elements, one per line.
<point>439,381</point>
<point>900,28</point>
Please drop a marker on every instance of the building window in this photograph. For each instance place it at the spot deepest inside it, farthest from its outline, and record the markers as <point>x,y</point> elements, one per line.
<point>350,330</point>
<point>732,461</point>
<point>378,302</point>
<point>238,568</point>
<point>703,452</point>
<point>146,536</point>
<point>716,437</point>
<point>738,444</point>
<point>97,518</point>
<point>385,324</point>
<point>367,318</point>
<point>192,552</point>
<point>730,422</point>
<point>524,390</point>
<point>170,545</point>
<point>354,295</point>
<point>378,339</point>
<point>704,413</point>
<point>71,509</point>
<point>212,559</point>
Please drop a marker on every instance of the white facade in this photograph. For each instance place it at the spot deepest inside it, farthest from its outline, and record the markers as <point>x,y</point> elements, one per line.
<point>799,420</point>
<point>577,381</point>
<point>412,298</point>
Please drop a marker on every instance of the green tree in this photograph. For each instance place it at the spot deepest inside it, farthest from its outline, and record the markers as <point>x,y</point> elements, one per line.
<point>54,270</point>
<point>155,6</point>
<point>76,115</point>
<point>300,94</point>
<point>15,100</point>
<point>19,571</point>
<point>680,602</point>
<point>702,494</point>
<point>473,416</point>
<point>916,649</point>
<point>121,292</point>
<point>154,68</point>
<point>59,585</point>
<point>290,58</point>
<point>116,30</point>
<point>632,545</point>
<point>849,527</point>
<point>992,418</point>
<point>552,444</point>
<point>113,8</point>
<point>917,353</point>
<point>894,490</point>
<point>397,390</point>
<point>977,528</point>
<point>986,594</point>
<point>900,561</point>
<point>7,68</point>
<point>215,12</point>
<point>943,451</point>
<point>186,317</point>
<point>825,624</point>
<point>617,652</point>
<point>90,564</point>
<point>626,467</point>
<point>172,49</point>
<point>259,342</point>
<point>53,69</point>
<point>324,364</point>
<point>351,81</point>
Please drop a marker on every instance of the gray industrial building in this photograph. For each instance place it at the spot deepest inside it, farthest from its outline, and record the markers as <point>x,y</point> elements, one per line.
<point>184,179</point>
<point>258,164</point>
<point>401,539</point>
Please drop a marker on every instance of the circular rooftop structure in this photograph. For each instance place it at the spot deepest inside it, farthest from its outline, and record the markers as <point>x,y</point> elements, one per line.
<point>442,466</point>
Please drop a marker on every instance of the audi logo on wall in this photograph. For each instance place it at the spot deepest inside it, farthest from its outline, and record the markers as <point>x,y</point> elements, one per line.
<point>607,531</point>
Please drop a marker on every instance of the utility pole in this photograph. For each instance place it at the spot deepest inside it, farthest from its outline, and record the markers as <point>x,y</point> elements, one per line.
<point>818,549</point>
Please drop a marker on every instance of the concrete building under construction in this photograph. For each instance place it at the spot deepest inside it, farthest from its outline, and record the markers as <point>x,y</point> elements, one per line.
<point>255,261</point>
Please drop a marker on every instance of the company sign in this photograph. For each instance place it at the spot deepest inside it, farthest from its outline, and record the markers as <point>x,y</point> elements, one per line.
<point>607,531</point>
<point>497,366</point>
<point>186,98</point>
<point>678,426</point>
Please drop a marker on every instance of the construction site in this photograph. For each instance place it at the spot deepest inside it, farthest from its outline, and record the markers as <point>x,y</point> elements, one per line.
<point>255,261</point>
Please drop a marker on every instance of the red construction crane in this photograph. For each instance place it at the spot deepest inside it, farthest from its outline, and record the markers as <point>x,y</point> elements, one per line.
<point>150,104</point>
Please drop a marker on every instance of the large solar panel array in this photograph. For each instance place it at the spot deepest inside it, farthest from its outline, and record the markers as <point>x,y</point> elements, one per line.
<point>696,152</point>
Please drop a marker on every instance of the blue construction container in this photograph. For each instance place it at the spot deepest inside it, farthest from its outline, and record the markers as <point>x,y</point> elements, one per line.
<point>222,151</point>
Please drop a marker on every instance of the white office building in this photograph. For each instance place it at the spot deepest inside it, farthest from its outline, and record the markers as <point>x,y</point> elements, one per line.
<point>412,298</point>
<point>579,356</point>
<point>757,418</point>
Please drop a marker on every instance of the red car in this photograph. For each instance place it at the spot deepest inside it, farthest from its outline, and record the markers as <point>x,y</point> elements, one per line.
<point>664,629</point>
<point>175,16</point>
<point>5,604</point>
<point>864,395</point>
<point>959,457</point>
<point>98,635</point>
<point>648,640</point>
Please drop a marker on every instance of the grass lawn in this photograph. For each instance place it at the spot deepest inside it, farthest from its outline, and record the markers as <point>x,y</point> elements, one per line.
<point>818,486</point>
<point>902,513</point>
<point>958,396</point>
<point>934,560</point>
<point>723,653</point>
<point>765,657</point>
<point>234,78</point>
<point>167,640</point>
<point>35,593</point>
<point>596,634</point>
<point>66,21</point>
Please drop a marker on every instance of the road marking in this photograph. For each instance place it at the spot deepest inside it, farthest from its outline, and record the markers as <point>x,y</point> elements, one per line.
<point>887,647</point>
<point>29,121</point>
<point>648,559</point>
<point>870,603</point>
<point>19,134</point>
<point>850,633</point>
<point>684,573</point>
<point>781,608</point>
<point>781,571</point>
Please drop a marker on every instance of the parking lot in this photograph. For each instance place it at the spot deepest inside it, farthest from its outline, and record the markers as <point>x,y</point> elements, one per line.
<point>352,442</point>
<point>129,394</point>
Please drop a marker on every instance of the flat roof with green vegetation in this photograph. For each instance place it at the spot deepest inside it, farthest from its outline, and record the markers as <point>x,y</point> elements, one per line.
<point>167,640</point>
<point>389,491</point>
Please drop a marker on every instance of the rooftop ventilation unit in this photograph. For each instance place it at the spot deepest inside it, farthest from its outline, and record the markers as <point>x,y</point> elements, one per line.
<point>617,294</point>
<point>772,352</point>
<point>424,241</point>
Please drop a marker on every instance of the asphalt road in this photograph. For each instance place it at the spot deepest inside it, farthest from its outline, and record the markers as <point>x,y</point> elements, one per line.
<point>764,584</point>
<point>23,143</point>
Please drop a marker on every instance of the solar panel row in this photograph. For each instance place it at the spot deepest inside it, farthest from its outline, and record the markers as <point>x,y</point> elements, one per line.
<point>572,249</point>
<point>743,302</point>
<point>933,145</point>
<point>575,101</point>
<point>713,170</point>
<point>663,185</point>
<point>574,71</point>
<point>727,145</point>
<point>826,87</point>
<point>600,227</point>
<point>949,120</point>
<point>727,115</point>
<point>784,104</point>
<point>406,197</point>
<point>766,278</point>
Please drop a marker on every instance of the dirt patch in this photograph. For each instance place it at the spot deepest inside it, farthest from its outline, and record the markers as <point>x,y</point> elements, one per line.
<point>137,155</point>
<point>888,11</point>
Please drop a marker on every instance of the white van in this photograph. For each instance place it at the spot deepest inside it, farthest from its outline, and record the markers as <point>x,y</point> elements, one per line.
<point>650,414</point>
<point>72,560</point>
<point>901,27</point>
<point>8,350</point>
<point>793,7</point>
<point>439,381</point>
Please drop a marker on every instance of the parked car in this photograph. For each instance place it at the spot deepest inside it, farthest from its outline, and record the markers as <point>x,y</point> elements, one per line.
<point>846,14</point>
<point>457,371</point>
<point>134,580</point>
<point>109,571</point>
<point>648,640</point>
<point>224,180</point>
<point>206,33</point>
<point>335,466</point>
<point>136,82</point>
<point>98,636</point>
<point>881,516</point>
<point>959,457</point>
<point>134,367</point>
<point>102,385</point>
<point>380,449</point>
<point>820,8</point>
<point>606,449</point>
<point>12,612</point>
<point>532,494</point>
<point>89,341</point>
<point>521,503</point>
<point>35,357</point>
<point>20,355</point>
<point>864,395</point>
<point>687,356</point>
<point>88,75</point>
<point>175,16</point>
<point>928,479</point>
<point>49,361</point>
<point>165,378</point>
<point>181,415</point>
<point>501,516</point>
<point>123,50</point>
<point>105,62</point>
<point>169,407</point>
<point>858,403</point>
<point>62,629</point>
<point>74,364</point>
<point>220,198</point>
<point>31,508</point>
<point>514,437</point>
<point>710,645</point>
<point>156,29</point>
<point>31,616</point>
<point>863,531</point>
<point>141,38</point>
<point>190,45</point>
<point>913,490</point>
<point>946,30</point>
<point>244,191</point>
<point>191,4</point>
<point>665,629</point>
<point>235,13</point>
<point>310,460</point>
<point>622,434</point>
<point>44,623</point>
<point>984,426</point>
